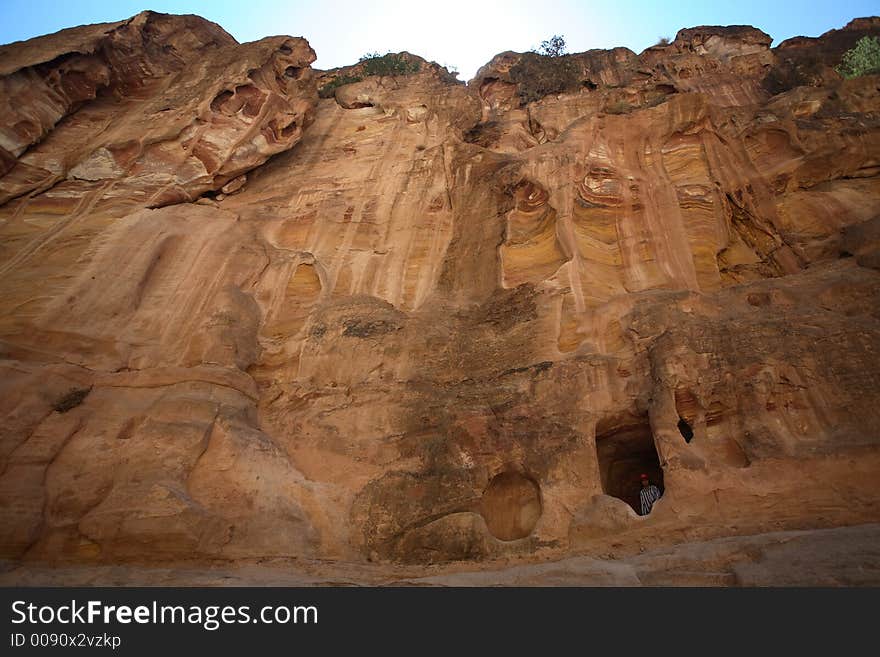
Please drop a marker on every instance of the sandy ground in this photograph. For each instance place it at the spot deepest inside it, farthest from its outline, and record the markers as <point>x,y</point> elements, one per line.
<point>847,556</point>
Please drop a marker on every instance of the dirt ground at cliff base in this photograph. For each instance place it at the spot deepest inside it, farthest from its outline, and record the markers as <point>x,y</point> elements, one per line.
<point>845,556</point>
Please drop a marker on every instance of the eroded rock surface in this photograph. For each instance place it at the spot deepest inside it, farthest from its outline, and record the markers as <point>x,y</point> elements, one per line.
<point>444,322</point>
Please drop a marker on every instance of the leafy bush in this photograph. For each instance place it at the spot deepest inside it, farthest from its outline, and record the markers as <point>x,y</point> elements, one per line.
<point>330,88</point>
<point>388,64</point>
<point>537,76</point>
<point>662,41</point>
<point>862,59</point>
<point>552,47</point>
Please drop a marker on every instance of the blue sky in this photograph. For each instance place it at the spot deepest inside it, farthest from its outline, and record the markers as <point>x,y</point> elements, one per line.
<point>464,34</point>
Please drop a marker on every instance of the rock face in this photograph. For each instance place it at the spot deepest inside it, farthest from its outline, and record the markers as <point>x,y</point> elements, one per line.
<point>157,109</point>
<point>443,322</point>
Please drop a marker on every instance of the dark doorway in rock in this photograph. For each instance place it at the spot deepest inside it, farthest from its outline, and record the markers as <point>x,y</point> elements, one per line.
<point>625,447</point>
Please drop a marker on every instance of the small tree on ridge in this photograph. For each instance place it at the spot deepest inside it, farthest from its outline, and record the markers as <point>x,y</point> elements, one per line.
<point>553,47</point>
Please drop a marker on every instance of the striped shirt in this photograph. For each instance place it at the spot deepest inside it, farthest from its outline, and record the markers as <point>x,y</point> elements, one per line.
<point>647,496</point>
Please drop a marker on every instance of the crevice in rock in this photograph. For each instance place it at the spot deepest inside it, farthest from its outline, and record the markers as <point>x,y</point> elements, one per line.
<point>483,134</point>
<point>537,130</point>
<point>689,411</point>
<point>755,235</point>
<point>685,429</point>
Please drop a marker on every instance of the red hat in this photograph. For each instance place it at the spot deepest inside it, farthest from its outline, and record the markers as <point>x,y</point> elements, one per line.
<point>644,476</point>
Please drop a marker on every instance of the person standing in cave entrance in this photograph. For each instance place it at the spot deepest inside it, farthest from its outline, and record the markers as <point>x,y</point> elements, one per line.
<point>648,495</point>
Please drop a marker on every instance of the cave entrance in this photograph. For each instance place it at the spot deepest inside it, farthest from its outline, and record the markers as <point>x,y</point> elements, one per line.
<point>626,450</point>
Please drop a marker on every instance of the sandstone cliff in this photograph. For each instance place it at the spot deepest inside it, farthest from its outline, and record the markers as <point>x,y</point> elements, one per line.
<point>418,321</point>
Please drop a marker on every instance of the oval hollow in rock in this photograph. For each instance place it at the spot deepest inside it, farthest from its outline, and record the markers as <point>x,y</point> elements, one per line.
<point>511,506</point>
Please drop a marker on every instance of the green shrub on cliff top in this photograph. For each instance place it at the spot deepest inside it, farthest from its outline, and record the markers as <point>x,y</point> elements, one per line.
<point>373,64</point>
<point>389,64</point>
<point>862,59</point>
<point>330,88</point>
<point>537,76</point>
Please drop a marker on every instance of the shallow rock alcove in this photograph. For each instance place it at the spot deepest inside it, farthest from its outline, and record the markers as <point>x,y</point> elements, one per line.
<point>511,506</point>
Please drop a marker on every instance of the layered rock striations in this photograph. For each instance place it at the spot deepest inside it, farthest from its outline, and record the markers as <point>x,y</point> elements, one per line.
<point>420,321</point>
